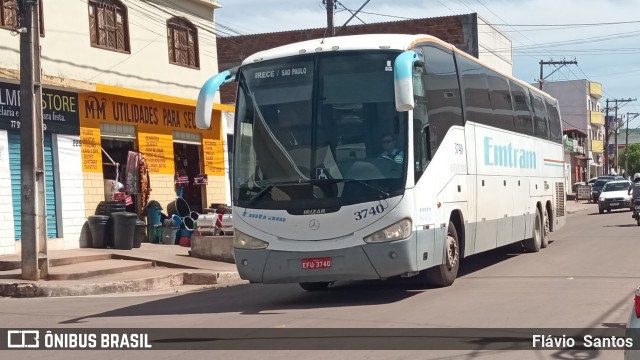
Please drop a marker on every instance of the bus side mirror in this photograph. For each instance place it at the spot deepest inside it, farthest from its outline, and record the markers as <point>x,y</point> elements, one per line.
<point>403,80</point>
<point>207,93</point>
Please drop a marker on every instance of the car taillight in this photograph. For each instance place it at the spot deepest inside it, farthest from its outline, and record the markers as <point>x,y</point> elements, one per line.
<point>637,302</point>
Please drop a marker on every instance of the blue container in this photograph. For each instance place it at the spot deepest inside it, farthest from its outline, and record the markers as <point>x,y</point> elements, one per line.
<point>153,215</point>
<point>177,219</point>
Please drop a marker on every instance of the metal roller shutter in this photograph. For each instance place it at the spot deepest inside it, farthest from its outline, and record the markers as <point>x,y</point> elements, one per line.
<point>49,184</point>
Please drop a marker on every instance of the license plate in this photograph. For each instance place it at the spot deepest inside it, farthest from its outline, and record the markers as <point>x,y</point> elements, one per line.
<point>316,263</point>
<point>614,204</point>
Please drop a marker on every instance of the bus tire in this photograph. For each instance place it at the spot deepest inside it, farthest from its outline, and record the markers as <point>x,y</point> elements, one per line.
<point>534,244</point>
<point>445,274</point>
<point>315,286</point>
<point>546,228</point>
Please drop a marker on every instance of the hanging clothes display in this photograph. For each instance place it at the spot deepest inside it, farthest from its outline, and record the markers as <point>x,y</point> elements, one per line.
<point>145,182</point>
<point>132,180</point>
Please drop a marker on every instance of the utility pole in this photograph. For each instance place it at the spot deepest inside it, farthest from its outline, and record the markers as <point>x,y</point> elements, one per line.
<point>551,62</point>
<point>615,128</point>
<point>626,146</point>
<point>330,28</point>
<point>33,221</point>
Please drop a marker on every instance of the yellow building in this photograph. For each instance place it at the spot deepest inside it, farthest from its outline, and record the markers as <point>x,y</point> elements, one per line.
<point>114,121</point>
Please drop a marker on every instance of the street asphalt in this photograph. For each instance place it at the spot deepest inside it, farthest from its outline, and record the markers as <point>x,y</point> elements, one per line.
<point>584,279</point>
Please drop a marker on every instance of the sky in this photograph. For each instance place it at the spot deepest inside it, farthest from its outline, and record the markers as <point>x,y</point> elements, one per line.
<point>603,36</point>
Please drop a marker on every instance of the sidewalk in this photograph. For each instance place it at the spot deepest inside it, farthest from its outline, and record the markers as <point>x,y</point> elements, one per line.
<point>80,272</point>
<point>572,206</point>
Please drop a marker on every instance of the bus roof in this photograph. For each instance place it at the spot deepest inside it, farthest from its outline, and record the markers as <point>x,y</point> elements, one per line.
<point>400,42</point>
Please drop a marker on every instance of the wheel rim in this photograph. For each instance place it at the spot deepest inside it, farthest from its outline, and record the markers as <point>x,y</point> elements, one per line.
<point>452,252</point>
<point>537,230</point>
<point>547,226</point>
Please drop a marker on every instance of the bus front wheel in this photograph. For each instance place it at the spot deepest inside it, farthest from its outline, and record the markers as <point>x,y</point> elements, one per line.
<point>314,286</point>
<point>445,274</point>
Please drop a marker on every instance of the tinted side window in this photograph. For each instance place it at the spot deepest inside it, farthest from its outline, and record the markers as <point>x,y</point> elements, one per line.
<point>501,102</point>
<point>555,124</point>
<point>540,121</point>
<point>522,107</point>
<point>475,91</point>
<point>438,107</point>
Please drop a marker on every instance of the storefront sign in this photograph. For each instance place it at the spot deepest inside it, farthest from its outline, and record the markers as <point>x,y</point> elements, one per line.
<point>91,149</point>
<point>213,157</point>
<point>59,110</point>
<point>158,150</point>
<point>144,113</point>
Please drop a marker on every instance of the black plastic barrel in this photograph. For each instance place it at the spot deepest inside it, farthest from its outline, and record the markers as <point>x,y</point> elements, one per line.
<point>140,233</point>
<point>124,228</point>
<point>109,207</point>
<point>98,228</point>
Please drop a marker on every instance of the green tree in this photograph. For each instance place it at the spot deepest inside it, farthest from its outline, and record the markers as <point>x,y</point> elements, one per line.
<point>633,154</point>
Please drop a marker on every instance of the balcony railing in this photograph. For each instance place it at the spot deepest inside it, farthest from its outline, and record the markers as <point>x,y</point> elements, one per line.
<point>595,89</point>
<point>596,118</point>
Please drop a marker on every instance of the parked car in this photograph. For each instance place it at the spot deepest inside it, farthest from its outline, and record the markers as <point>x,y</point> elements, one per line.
<point>599,183</point>
<point>614,195</point>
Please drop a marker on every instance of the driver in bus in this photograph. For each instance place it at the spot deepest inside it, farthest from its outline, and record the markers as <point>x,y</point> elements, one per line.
<point>391,152</point>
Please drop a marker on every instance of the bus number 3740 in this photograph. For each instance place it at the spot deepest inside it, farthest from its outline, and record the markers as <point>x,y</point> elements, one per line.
<point>374,210</point>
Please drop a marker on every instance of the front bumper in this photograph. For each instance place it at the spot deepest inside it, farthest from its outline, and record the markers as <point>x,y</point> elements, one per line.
<point>615,204</point>
<point>364,262</point>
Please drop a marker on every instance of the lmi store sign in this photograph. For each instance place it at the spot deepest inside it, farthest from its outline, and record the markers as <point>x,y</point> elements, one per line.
<point>155,123</point>
<point>59,110</point>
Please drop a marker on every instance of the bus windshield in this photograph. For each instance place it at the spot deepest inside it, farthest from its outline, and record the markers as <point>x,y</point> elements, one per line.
<point>318,130</point>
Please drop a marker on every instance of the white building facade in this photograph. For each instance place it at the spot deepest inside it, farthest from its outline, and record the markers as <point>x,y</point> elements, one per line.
<point>120,75</point>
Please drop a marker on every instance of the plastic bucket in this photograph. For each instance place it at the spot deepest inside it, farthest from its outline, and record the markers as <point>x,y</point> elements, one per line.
<point>188,223</point>
<point>176,219</point>
<point>178,206</point>
<point>140,233</point>
<point>169,235</point>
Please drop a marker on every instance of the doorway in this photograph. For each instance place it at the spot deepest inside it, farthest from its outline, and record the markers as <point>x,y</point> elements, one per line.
<point>118,151</point>
<point>187,163</point>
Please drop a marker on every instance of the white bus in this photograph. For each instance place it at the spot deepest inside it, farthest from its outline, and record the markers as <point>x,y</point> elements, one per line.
<point>373,156</point>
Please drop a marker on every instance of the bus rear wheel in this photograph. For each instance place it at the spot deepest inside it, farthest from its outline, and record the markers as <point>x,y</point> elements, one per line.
<point>546,228</point>
<point>445,274</point>
<point>315,286</point>
<point>534,244</point>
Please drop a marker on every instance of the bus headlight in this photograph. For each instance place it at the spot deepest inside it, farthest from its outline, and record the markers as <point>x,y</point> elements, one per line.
<point>400,230</point>
<point>244,241</point>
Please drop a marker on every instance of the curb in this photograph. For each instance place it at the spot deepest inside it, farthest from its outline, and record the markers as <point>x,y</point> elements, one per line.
<point>48,289</point>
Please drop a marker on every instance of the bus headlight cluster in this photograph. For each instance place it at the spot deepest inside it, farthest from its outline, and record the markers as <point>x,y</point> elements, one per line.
<point>400,230</point>
<point>244,241</point>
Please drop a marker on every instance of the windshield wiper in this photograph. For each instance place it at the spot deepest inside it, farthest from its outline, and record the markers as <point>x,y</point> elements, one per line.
<point>267,189</point>
<point>380,191</point>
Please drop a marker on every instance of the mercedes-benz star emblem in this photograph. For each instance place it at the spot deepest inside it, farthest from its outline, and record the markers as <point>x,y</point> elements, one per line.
<point>314,224</point>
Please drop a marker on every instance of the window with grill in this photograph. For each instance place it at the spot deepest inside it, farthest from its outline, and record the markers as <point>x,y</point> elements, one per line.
<point>182,37</point>
<point>108,25</point>
<point>9,15</point>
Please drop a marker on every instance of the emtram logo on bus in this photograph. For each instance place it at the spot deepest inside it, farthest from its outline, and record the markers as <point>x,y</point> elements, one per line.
<point>507,155</point>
